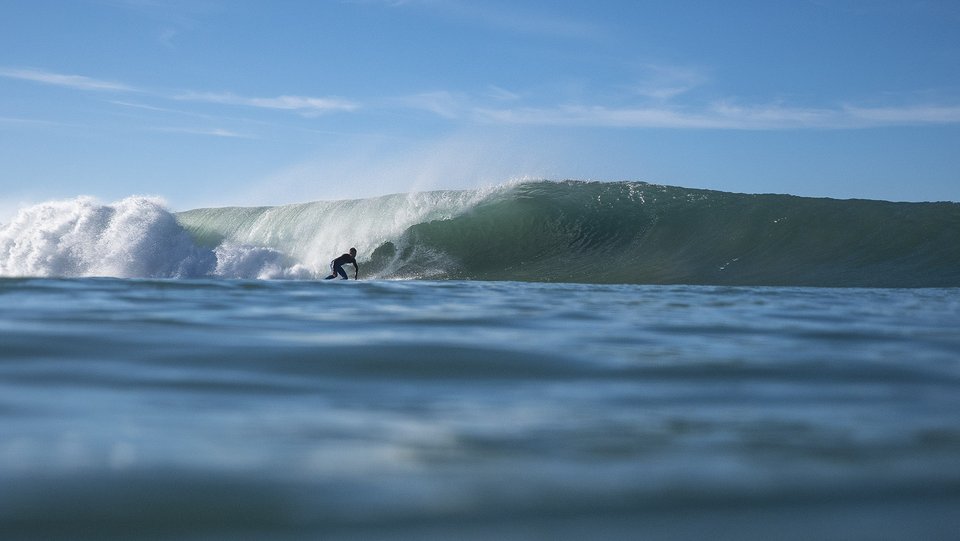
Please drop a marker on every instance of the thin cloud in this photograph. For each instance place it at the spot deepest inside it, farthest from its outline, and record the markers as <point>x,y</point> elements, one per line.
<point>908,115</point>
<point>666,82</point>
<point>489,108</point>
<point>501,107</point>
<point>79,82</point>
<point>214,132</point>
<point>151,107</point>
<point>774,117</point>
<point>723,116</point>
<point>302,104</point>
<point>29,121</point>
<point>501,94</point>
<point>167,110</point>
<point>449,105</point>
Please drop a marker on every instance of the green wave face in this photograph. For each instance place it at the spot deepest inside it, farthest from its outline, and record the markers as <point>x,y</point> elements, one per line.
<point>624,232</point>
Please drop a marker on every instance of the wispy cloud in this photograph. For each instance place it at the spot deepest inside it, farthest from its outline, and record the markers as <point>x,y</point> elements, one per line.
<point>595,116</point>
<point>449,105</point>
<point>658,109</point>
<point>661,82</point>
<point>29,121</point>
<point>907,115</point>
<point>79,82</point>
<point>213,132</point>
<point>655,99</point>
<point>151,107</point>
<point>301,104</point>
<point>305,105</point>
<point>501,94</point>
<point>720,116</point>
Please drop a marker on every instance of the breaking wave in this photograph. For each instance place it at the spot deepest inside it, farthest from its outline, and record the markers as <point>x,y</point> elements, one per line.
<point>591,232</point>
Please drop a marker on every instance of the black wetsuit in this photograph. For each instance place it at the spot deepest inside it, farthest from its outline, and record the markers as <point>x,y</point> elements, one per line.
<point>337,266</point>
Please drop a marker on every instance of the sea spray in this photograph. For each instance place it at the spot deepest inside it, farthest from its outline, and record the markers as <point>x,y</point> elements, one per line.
<point>245,261</point>
<point>133,237</point>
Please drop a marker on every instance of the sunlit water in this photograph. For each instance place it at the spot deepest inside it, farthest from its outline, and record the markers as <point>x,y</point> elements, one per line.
<point>218,409</point>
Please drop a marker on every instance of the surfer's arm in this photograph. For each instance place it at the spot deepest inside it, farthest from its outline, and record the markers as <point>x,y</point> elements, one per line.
<point>356,270</point>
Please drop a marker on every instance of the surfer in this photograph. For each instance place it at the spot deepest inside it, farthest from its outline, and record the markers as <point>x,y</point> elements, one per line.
<point>337,264</point>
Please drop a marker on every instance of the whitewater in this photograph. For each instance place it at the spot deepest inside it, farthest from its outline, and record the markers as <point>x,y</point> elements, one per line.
<point>585,232</point>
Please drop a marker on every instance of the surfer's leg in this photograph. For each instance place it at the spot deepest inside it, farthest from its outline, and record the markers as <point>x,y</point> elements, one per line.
<point>339,270</point>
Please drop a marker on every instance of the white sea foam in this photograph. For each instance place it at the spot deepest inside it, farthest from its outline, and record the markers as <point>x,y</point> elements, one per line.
<point>246,261</point>
<point>133,237</point>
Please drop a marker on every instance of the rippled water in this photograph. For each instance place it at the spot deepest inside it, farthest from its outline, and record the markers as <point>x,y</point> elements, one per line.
<point>218,409</point>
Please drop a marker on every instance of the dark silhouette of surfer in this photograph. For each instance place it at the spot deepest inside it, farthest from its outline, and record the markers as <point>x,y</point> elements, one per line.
<point>337,264</point>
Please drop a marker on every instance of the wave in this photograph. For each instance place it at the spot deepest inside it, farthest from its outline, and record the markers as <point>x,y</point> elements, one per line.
<point>573,231</point>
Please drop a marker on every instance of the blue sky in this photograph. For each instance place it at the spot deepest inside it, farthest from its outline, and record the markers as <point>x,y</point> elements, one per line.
<point>216,102</point>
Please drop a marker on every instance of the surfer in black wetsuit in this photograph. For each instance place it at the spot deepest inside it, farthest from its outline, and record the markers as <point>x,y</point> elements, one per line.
<point>337,264</point>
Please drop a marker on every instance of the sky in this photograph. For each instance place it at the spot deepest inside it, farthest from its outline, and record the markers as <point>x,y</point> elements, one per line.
<point>247,102</point>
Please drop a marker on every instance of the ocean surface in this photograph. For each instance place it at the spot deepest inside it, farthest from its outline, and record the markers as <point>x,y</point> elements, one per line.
<point>556,361</point>
<point>244,409</point>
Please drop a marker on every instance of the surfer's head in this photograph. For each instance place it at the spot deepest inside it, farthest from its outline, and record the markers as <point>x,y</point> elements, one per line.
<point>353,252</point>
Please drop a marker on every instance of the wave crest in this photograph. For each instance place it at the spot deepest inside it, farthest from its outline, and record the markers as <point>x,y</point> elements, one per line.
<point>592,232</point>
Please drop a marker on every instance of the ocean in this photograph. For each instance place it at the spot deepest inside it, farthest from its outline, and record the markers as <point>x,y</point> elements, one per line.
<point>534,361</point>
